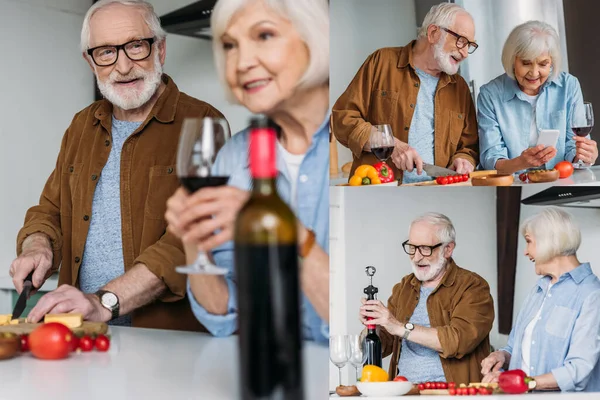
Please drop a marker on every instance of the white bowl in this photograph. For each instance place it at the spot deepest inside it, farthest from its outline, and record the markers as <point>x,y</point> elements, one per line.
<point>382,389</point>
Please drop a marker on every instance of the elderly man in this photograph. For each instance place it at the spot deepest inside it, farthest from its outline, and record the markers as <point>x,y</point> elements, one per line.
<point>100,216</point>
<point>437,321</point>
<point>416,90</point>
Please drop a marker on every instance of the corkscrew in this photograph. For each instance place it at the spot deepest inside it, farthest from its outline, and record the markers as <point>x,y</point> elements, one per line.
<point>371,291</point>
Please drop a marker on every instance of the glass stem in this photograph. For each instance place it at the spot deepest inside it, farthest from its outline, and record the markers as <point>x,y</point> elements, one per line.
<point>340,371</point>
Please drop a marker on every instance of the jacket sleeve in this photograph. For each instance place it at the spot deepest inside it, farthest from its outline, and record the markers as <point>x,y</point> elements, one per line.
<point>468,145</point>
<point>491,142</point>
<point>574,104</point>
<point>350,111</point>
<point>45,216</point>
<point>387,339</point>
<point>470,321</point>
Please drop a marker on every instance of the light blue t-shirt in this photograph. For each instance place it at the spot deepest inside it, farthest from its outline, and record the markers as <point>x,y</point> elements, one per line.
<point>421,133</point>
<point>419,363</point>
<point>103,253</point>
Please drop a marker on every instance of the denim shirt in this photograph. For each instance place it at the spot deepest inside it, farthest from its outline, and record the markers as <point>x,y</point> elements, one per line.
<point>504,118</point>
<point>312,208</point>
<point>566,338</point>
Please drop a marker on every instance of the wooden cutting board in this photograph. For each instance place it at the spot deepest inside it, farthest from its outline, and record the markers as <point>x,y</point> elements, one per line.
<point>467,183</point>
<point>87,328</point>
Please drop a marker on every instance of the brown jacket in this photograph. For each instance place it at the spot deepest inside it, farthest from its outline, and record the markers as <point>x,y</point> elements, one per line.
<point>384,91</point>
<point>148,179</point>
<point>461,308</point>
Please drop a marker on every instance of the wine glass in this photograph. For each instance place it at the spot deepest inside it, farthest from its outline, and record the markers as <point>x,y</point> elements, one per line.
<point>582,122</point>
<point>199,142</point>
<point>358,352</point>
<point>382,142</point>
<point>339,351</point>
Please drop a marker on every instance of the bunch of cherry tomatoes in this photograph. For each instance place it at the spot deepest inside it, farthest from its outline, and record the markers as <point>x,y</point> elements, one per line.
<point>447,180</point>
<point>455,391</point>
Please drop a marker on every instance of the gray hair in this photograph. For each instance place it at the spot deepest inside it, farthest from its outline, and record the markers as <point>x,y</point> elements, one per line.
<point>528,41</point>
<point>442,15</point>
<point>555,233</point>
<point>446,233</point>
<point>310,18</point>
<point>150,16</point>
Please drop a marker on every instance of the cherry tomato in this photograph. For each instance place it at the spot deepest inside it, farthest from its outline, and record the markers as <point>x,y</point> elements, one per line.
<point>421,386</point>
<point>24,343</point>
<point>102,343</point>
<point>444,385</point>
<point>452,392</point>
<point>438,180</point>
<point>444,180</point>
<point>451,179</point>
<point>451,385</point>
<point>462,391</point>
<point>399,378</point>
<point>428,385</point>
<point>439,385</point>
<point>51,341</point>
<point>523,177</point>
<point>86,343</point>
<point>75,343</point>
<point>472,391</point>
<point>467,177</point>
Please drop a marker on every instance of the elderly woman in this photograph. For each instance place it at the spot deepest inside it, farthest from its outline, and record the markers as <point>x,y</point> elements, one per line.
<point>273,58</point>
<point>532,95</point>
<point>556,337</point>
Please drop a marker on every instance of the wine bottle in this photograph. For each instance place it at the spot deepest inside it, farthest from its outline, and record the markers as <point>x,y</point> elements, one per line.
<point>266,265</point>
<point>372,340</point>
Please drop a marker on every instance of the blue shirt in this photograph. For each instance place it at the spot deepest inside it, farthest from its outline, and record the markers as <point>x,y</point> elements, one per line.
<point>312,209</point>
<point>566,338</point>
<point>419,363</point>
<point>421,133</point>
<point>103,252</point>
<point>504,117</point>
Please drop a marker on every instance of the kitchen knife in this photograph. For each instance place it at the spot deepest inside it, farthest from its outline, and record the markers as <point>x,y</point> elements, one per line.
<point>435,171</point>
<point>22,301</point>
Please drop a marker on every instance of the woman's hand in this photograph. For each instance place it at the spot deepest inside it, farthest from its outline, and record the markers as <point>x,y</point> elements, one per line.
<point>195,217</point>
<point>586,150</point>
<point>537,156</point>
<point>493,362</point>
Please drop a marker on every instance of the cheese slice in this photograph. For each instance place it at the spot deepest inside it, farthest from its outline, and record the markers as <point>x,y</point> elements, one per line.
<point>5,319</point>
<point>18,321</point>
<point>71,320</point>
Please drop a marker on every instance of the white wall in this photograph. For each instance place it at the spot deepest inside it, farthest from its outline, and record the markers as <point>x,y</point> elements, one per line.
<point>44,83</point>
<point>358,28</point>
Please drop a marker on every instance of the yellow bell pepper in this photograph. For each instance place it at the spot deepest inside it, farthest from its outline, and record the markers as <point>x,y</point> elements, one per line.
<point>372,373</point>
<point>365,175</point>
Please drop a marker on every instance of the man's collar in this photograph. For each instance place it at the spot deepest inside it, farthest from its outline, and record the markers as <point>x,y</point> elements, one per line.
<point>405,59</point>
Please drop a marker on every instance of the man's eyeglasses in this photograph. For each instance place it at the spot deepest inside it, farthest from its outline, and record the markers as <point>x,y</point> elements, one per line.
<point>136,50</point>
<point>462,41</point>
<point>425,251</point>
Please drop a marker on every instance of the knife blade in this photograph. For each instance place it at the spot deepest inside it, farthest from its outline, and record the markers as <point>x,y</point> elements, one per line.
<point>23,297</point>
<point>435,171</point>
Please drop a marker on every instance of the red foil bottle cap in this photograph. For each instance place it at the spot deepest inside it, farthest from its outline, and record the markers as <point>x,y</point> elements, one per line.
<point>263,159</point>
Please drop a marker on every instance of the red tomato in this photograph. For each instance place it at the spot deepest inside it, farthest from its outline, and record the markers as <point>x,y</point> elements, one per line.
<point>439,385</point>
<point>467,177</point>
<point>451,179</point>
<point>75,343</point>
<point>86,343</point>
<point>421,386</point>
<point>523,177</point>
<point>444,180</point>
<point>51,341</point>
<point>462,391</point>
<point>24,343</point>
<point>444,385</point>
<point>438,180</point>
<point>472,391</point>
<point>451,385</point>
<point>102,344</point>
<point>483,390</point>
<point>428,385</point>
<point>565,169</point>
<point>399,378</point>
<point>452,392</point>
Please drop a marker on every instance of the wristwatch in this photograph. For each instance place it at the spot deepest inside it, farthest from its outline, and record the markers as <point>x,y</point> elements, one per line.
<point>110,301</point>
<point>408,328</point>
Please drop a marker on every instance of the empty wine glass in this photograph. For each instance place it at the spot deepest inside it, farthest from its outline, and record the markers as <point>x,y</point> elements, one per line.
<point>358,352</point>
<point>199,142</point>
<point>582,122</point>
<point>339,352</point>
<point>382,141</point>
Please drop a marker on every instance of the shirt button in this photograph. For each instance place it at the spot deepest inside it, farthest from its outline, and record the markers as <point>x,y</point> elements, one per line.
<point>86,217</point>
<point>303,178</point>
<point>170,171</point>
<point>71,169</point>
<point>406,128</point>
<point>533,342</point>
<point>412,106</point>
<point>77,259</point>
<point>107,143</point>
<point>416,85</point>
<point>94,177</point>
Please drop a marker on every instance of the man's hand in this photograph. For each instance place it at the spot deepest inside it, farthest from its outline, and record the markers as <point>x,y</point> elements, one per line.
<point>194,218</point>
<point>462,166</point>
<point>406,158</point>
<point>537,156</point>
<point>493,362</point>
<point>381,316</point>
<point>66,299</point>
<point>36,256</point>
<point>586,150</point>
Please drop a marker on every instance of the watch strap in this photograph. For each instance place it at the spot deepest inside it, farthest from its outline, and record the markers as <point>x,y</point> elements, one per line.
<point>114,310</point>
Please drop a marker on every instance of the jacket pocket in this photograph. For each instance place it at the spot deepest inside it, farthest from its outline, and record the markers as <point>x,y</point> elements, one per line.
<point>69,187</point>
<point>163,182</point>
<point>383,106</point>
<point>561,321</point>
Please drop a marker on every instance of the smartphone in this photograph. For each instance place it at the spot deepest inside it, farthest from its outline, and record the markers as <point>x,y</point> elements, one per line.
<point>548,137</point>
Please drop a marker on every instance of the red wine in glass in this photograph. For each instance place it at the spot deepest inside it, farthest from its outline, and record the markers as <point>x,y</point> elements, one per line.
<point>383,153</point>
<point>382,142</point>
<point>582,131</point>
<point>193,183</point>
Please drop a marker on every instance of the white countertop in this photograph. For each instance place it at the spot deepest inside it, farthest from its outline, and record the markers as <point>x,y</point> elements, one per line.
<point>148,364</point>
<point>552,395</point>
<point>581,177</point>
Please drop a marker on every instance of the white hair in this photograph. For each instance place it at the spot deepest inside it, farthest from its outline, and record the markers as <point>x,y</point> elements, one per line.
<point>555,233</point>
<point>445,233</point>
<point>442,15</point>
<point>528,41</point>
<point>310,18</point>
<point>150,17</point>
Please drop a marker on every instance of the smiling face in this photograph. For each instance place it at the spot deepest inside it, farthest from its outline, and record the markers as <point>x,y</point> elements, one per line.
<point>127,84</point>
<point>530,252</point>
<point>532,74</point>
<point>428,268</point>
<point>265,58</point>
<point>446,53</point>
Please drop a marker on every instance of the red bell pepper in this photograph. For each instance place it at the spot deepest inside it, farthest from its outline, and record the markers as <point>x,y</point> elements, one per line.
<point>515,382</point>
<point>385,172</point>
